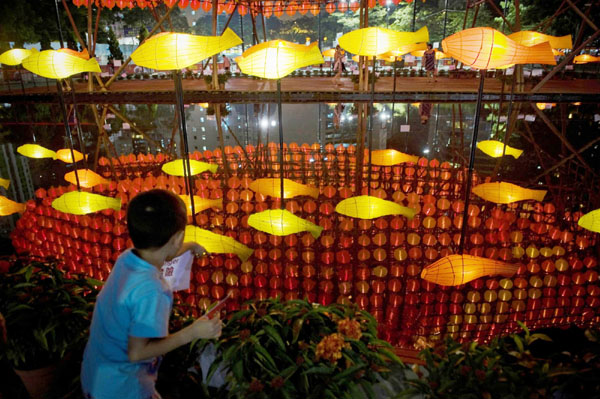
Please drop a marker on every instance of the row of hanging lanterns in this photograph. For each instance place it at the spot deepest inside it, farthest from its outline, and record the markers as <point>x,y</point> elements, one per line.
<point>267,8</point>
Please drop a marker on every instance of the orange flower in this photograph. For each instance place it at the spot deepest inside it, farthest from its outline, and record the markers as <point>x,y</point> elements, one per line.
<point>330,347</point>
<point>350,328</point>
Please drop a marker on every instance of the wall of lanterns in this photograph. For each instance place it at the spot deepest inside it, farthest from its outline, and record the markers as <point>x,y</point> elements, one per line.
<point>374,263</point>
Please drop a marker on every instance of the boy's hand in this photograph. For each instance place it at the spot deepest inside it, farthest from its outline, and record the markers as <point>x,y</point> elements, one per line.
<point>207,328</point>
<point>197,249</point>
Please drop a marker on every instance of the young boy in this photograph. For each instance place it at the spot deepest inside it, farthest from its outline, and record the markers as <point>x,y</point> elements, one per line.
<point>129,330</point>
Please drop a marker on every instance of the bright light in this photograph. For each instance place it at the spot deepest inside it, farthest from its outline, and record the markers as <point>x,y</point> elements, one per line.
<point>383,116</point>
<point>264,123</point>
<point>426,151</point>
<point>273,123</point>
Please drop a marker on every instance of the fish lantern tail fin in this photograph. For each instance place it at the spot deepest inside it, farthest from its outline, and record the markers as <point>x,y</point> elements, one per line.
<point>314,192</point>
<point>245,253</point>
<point>92,66</point>
<point>21,208</point>
<point>410,213</point>
<point>84,54</point>
<point>219,203</point>
<point>540,54</point>
<point>115,204</point>
<point>516,153</point>
<point>422,35</point>
<point>564,42</point>
<point>315,231</point>
<point>230,36</point>
<point>509,270</point>
<point>539,195</point>
<point>213,168</point>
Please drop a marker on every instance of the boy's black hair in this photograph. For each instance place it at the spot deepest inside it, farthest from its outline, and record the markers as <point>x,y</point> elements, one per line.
<point>153,217</point>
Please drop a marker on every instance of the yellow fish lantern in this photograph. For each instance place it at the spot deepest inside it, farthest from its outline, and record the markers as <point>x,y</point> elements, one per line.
<point>64,155</point>
<point>404,49</point>
<point>35,151</point>
<point>217,243</point>
<point>355,58</point>
<point>291,189</point>
<point>585,58</point>
<point>4,183</point>
<point>8,207</point>
<point>169,50</point>
<point>591,221</point>
<point>368,207</point>
<point>485,48</point>
<point>374,41</point>
<point>281,222</point>
<point>55,64</point>
<point>177,167</point>
<point>558,53</point>
<point>391,157</point>
<point>495,149</point>
<point>460,269</point>
<point>529,38</point>
<point>87,178</point>
<point>82,203</point>
<point>201,204</point>
<point>329,53</point>
<point>15,56</point>
<point>506,193</point>
<point>278,58</point>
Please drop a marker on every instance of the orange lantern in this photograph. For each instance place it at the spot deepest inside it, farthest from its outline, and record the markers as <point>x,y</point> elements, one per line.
<point>460,269</point>
<point>485,48</point>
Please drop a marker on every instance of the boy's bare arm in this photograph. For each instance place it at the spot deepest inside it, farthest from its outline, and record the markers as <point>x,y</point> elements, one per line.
<point>139,349</point>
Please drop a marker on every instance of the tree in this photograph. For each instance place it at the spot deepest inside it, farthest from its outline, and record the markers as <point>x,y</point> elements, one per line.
<point>113,45</point>
<point>142,34</point>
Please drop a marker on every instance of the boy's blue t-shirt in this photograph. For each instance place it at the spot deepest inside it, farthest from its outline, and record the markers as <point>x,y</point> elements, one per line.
<point>134,301</point>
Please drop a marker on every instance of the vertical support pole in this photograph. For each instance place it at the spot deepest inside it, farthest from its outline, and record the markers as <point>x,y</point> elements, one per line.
<point>280,120</point>
<point>394,95</point>
<point>63,109</point>
<point>469,176</point>
<point>183,128</point>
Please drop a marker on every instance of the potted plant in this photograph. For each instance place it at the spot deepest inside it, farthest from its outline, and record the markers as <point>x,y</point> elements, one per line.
<point>47,313</point>
<point>295,349</point>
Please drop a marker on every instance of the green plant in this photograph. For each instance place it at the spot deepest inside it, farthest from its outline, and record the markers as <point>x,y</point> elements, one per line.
<point>47,310</point>
<point>504,368</point>
<point>295,349</point>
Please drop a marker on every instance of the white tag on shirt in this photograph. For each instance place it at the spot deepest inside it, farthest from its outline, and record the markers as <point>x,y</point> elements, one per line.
<point>177,272</point>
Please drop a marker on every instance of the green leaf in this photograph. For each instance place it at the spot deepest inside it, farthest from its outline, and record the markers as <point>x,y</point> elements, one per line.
<point>238,370</point>
<point>262,353</point>
<point>318,370</point>
<point>28,273</point>
<point>390,355</point>
<point>519,343</point>
<point>274,335</point>
<point>296,327</point>
<point>347,372</point>
<point>537,336</point>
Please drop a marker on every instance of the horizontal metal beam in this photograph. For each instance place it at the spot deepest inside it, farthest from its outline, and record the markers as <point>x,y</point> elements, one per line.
<point>252,97</point>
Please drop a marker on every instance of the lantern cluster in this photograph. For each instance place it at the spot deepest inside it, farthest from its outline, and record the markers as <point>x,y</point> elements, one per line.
<point>268,8</point>
<point>376,263</point>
